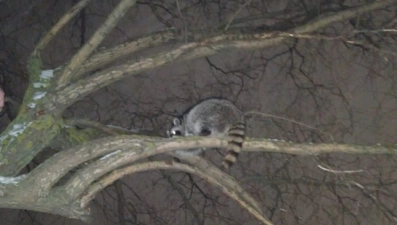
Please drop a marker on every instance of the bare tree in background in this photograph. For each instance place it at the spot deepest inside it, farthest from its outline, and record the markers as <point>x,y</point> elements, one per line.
<point>103,81</point>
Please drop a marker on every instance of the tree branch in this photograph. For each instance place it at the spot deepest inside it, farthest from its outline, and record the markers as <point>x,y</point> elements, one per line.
<point>16,195</point>
<point>84,177</point>
<point>96,39</point>
<point>185,199</point>
<point>109,129</point>
<point>120,201</point>
<point>226,183</point>
<point>58,26</point>
<point>123,150</point>
<point>344,15</point>
<point>106,57</point>
<point>49,172</point>
<point>142,149</point>
<point>204,47</point>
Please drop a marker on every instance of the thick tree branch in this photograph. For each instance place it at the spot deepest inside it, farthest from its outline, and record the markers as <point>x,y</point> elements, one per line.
<point>84,177</point>
<point>66,182</point>
<point>17,152</point>
<point>106,57</point>
<point>141,149</point>
<point>76,91</point>
<point>95,40</point>
<point>204,47</point>
<point>16,193</point>
<point>123,150</point>
<point>48,173</point>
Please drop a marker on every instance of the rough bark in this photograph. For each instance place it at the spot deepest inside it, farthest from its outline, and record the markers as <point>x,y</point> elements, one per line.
<point>71,198</point>
<point>39,121</point>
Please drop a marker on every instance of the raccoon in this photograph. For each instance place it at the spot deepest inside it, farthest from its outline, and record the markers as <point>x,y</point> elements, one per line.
<point>216,118</point>
<point>178,129</point>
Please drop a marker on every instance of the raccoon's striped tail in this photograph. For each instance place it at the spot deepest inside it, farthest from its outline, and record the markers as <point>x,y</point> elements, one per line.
<point>236,139</point>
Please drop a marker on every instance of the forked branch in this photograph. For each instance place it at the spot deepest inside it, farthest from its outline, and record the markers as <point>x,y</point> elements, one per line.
<point>123,150</point>
<point>133,147</point>
<point>105,57</point>
<point>220,179</point>
<point>204,47</point>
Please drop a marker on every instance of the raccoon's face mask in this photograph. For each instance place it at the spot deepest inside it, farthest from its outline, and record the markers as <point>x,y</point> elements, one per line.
<point>177,128</point>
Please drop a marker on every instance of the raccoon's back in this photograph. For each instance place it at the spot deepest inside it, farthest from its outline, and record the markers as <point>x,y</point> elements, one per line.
<point>218,113</point>
<point>223,119</point>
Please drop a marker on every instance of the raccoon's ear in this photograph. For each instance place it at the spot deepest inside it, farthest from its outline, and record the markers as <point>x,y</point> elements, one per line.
<point>176,121</point>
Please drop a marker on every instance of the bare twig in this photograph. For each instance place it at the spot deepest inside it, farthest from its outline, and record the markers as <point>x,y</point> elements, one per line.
<point>158,15</point>
<point>92,124</point>
<point>254,113</point>
<point>185,199</point>
<point>235,14</point>
<point>95,40</point>
<point>339,171</point>
<point>223,178</point>
<point>377,31</point>
<point>120,201</point>
<point>54,30</point>
<point>109,129</point>
<point>182,19</point>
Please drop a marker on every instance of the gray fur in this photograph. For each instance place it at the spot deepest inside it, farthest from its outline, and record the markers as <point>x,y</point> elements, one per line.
<point>216,118</point>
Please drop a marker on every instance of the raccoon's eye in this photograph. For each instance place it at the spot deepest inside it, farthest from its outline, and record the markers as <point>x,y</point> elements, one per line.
<point>176,133</point>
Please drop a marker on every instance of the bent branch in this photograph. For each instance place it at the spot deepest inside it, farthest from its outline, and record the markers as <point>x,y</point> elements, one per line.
<point>134,147</point>
<point>123,150</point>
<point>106,57</point>
<point>226,183</point>
<point>205,47</point>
